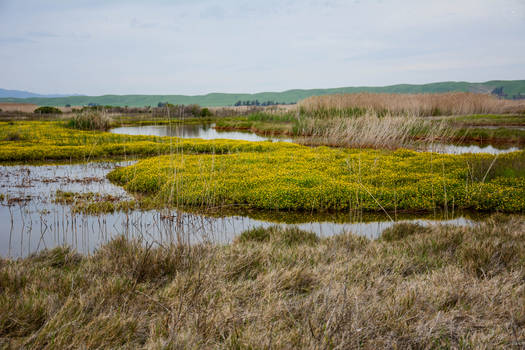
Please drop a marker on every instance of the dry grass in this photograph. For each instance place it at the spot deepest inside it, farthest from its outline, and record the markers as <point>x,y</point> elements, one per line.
<point>17,107</point>
<point>452,103</point>
<point>90,120</point>
<point>371,131</point>
<point>439,287</point>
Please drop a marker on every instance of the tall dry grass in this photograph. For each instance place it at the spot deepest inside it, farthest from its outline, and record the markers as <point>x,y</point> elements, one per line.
<point>452,103</point>
<point>371,131</point>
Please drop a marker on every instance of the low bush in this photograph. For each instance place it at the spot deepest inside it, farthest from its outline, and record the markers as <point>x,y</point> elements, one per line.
<point>47,110</point>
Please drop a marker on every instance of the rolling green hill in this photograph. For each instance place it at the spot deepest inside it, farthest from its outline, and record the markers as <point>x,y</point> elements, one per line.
<point>510,87</point>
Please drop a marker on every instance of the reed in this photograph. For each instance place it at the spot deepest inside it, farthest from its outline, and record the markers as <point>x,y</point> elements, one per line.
<point>452,103</point>
<point>371,131</point>
<point>90,120</point>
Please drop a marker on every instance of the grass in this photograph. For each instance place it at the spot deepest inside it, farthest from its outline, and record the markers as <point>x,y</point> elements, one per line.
<point>89,121</point>
<point>439,287</point>
<point>318,179</point>
<point>489,120</point>
<point>370,131</point>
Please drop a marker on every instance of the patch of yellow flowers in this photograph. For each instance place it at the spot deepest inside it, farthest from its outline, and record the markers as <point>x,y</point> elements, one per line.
<point>329,179</point>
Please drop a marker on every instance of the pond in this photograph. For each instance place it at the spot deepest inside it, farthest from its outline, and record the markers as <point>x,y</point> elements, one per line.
<point>31,220</point>
<point>461,149</point>
<point>202,131</point>
<point>207,132</point>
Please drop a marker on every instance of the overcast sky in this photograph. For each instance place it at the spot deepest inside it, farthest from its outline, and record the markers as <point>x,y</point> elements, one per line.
<point>193,47</point>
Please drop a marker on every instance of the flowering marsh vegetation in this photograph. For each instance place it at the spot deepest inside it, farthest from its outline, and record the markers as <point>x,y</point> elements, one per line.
<point>302,178</point>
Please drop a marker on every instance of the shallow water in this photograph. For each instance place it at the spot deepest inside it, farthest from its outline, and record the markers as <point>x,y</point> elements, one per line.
<point>30,220</point>
<point>203,131</point>
<point>462,149</point>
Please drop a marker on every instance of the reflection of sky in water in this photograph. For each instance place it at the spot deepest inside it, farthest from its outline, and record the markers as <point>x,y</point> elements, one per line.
<point>460,149</point>
<point>207,132</point>
<point>203,131</point>
<point>35,222</point>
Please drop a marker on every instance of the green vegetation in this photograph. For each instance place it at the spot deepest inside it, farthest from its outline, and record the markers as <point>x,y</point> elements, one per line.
<point>47,110</point>
<point>312,179</point>
<point>260,123</point>
<point>488,120</point>
<point>439,287</point>
<point>511,87</point>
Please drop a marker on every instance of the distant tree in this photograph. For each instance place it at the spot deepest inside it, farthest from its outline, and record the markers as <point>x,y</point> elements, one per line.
<point>68,105</point>
<point>47,110</point>
<point>238,103</point>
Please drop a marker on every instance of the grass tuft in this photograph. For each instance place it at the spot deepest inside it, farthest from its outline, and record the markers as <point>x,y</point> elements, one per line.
<point>402,230</point>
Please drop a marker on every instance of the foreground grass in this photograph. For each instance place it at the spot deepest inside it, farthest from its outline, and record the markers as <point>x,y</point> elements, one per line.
<point>418,287</point>
<point>317,179</point>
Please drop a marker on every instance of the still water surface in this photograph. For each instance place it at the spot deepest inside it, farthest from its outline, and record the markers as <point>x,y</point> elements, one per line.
<point>202,131</point>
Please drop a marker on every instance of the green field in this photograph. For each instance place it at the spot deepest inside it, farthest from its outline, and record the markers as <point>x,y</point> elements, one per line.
<point>510,87</point>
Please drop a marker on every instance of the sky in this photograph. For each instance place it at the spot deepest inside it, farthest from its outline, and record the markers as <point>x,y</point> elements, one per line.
<point>195,47</point>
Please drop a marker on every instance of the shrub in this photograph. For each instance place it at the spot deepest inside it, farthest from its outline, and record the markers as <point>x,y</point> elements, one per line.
<point>205,112</point>
<point>47,110</point>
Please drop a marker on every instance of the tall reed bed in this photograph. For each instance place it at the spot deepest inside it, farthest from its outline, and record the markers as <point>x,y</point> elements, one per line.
<point>370,131</point>
<point>452,103</point>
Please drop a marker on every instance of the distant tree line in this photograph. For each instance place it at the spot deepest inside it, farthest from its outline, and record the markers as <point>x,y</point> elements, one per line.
<point>257,103</point>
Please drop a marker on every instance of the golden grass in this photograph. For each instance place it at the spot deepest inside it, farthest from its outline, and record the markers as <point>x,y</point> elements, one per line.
<point>439,287</point>
<point>452,103</point>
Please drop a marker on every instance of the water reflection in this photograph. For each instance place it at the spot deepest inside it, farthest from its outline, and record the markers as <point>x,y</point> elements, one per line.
<point>203,131</point>
<point>462,149</point>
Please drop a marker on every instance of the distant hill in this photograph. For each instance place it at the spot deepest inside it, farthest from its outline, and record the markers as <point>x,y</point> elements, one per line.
<point>26,94</point>
<point>510,88</point>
